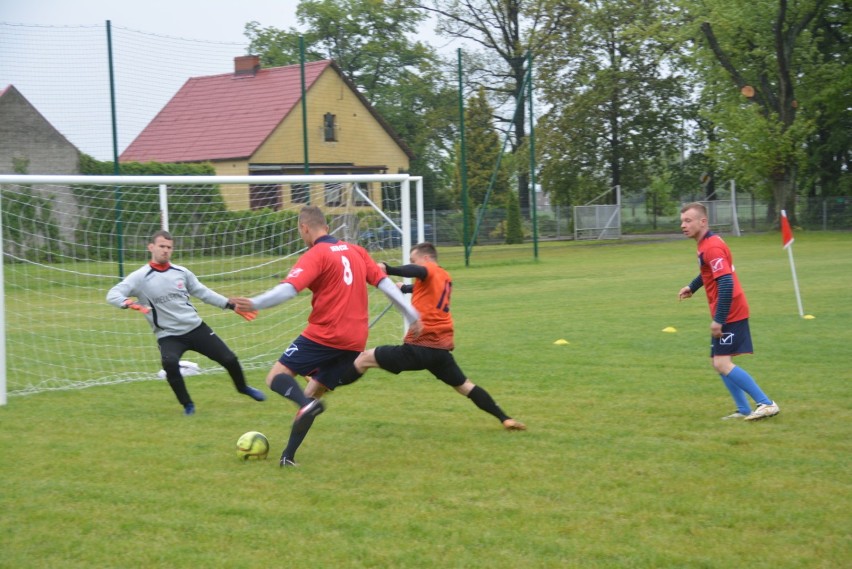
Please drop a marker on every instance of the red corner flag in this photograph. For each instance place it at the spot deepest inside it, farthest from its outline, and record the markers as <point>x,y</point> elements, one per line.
<point>787,239</point>
<point>786,231</point>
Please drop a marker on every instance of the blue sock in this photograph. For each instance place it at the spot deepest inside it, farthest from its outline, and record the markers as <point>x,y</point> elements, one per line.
<point>744,381</point>
<point>738,394</point>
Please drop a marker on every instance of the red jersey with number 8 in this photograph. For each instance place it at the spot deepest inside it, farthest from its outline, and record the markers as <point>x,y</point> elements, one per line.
<point>337,274</point>
<point>431,298</point>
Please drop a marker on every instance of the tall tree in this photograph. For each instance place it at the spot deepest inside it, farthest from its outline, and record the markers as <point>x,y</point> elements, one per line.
<point>614,101</point>
<point>483,152</point>
<point>506,32</point>
<point>827,92</point>
<point>763,50</point>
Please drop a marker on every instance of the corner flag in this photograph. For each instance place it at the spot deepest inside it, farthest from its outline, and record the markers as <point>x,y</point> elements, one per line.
<point>786,231</point>
<point>787,240</point>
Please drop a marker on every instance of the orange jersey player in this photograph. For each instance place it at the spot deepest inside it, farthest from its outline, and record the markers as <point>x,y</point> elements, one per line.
<point>430,347</point>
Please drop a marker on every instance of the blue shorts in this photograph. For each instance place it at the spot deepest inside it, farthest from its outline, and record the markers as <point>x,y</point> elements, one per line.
<point>322,363</point>
<point>735,340</point>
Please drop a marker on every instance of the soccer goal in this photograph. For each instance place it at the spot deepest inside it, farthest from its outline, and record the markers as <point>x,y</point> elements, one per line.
<point>599,221</point>
<point>67,240</point>
<point>722,213</point>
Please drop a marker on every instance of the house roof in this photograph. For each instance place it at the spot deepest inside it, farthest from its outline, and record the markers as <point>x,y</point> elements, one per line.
<point>11,93</point>
<point>228,116</point>
<point>221,117</point>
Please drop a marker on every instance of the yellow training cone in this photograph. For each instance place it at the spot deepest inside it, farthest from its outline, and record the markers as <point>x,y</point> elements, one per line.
<point>669,329</point>
<point>561,342</point>
<point>808,316</point>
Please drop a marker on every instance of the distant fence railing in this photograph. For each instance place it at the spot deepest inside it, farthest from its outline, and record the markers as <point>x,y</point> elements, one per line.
<point>641,216</point>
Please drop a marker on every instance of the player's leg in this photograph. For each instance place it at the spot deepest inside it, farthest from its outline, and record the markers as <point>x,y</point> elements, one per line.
<point>328,366</point>
<point>172,349</point>
<point>723,366</point>
<point>315,389</point>
<point>444,367</point>
<point>281,379</point>
<point>204,341</point>
<point>735,340</point>
<point>359,367</point>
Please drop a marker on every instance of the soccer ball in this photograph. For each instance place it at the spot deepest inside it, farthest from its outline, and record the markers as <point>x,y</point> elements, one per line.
<point>252,446</point>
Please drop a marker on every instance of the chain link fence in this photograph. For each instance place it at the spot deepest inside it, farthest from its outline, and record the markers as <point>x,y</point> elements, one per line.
<point>640,216</point>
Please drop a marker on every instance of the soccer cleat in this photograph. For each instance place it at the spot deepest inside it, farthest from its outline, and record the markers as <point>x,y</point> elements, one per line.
<point>312,409</point>
<point>189,409</point>
<point>764,411</point>
<point>513,425</point>
<point>287,462</point>
<point>255,394</point>
<point>734,415</point>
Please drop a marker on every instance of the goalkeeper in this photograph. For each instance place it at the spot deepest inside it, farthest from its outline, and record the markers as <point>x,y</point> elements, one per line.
<point>163,291</point>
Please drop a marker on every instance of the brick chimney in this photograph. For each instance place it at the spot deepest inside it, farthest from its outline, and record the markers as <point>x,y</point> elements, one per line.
<point>246,65</point>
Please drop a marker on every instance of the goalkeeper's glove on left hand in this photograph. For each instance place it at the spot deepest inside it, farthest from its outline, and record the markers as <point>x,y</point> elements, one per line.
<point>133,305</point>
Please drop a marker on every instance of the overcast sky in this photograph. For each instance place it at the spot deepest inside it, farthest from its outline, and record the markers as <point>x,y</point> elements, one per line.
<point>215,20</point>
<point>54,52</point>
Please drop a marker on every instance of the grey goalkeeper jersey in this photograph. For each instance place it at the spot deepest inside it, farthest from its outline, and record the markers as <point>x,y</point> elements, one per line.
<point>166,291</point>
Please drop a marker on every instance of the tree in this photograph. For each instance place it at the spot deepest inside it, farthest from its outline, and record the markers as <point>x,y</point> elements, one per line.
<point>614,101</point>
<point>763,49</point>
<point>507,31</point>
<point>827,92</point>
<point>483,152</point>
<point>514,226</point>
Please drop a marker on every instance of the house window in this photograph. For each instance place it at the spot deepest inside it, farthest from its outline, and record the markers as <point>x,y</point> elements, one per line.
<point>300,193</point>
<point>329,128</point>
<point>360,200</point>
<point>333,195</point>
<point>265,195</point>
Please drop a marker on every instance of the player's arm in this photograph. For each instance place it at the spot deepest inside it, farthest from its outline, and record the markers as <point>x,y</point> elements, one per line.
<point>120,295</point>
<point>209,296</point>
<point>411,271</point>
<point>724,294</point>
<point>273,297</point>
<point>395,296</point>
<point>690,289</point>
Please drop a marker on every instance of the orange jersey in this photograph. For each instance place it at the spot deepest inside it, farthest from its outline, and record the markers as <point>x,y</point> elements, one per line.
<point>431,298</point>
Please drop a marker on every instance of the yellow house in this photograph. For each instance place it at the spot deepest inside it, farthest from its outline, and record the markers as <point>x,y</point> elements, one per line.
<point>250,122</point>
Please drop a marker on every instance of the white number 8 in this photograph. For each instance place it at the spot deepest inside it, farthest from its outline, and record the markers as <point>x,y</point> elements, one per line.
<point>347,270</point>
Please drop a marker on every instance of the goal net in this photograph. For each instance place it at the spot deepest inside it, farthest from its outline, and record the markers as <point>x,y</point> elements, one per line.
<point>68,240</point>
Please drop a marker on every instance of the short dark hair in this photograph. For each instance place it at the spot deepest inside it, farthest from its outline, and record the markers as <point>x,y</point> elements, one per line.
<point>426,249</point>
<point>312,216</point>
<point>161,233</point>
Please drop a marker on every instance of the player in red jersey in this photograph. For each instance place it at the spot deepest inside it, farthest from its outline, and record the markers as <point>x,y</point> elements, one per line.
<point>729,330</point>
<point>337,273</point>
<point>431,348</point>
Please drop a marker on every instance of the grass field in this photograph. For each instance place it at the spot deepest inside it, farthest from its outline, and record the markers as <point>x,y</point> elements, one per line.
<point>625,463</point>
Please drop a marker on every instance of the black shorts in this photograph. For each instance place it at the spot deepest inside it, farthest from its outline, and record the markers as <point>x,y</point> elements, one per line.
<point>409,357</point>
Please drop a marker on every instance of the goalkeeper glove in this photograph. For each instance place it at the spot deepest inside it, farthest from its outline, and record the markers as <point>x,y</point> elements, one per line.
<point>247,314</point>
<point>132,304</point>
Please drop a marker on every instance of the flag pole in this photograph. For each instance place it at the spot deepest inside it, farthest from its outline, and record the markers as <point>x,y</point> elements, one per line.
<point>795,281</point>
<point>787,238</point>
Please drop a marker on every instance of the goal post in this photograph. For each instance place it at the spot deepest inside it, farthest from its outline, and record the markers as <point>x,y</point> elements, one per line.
<point>60,237</point>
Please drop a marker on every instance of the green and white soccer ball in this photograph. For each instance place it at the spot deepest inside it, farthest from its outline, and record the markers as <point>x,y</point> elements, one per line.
<point>252,446</point>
